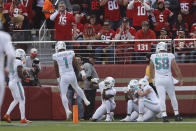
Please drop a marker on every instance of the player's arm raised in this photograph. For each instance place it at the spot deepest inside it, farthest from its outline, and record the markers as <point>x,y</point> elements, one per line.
<point>177,71</point>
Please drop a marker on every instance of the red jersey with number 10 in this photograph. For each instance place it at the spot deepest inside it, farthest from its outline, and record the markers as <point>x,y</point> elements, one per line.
<point>139,14</point>
<point>111,10</point>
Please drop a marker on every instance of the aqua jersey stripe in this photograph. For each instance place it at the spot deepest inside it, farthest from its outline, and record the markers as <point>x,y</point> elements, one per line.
<point>149,101</point>
<point>20,90</point>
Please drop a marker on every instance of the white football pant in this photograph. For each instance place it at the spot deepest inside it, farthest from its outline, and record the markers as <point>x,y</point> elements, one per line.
<point>69,79</point>
<point>2,89</point>
<point>19,97</point>
<point>165,84</point>
<point>105,107</point>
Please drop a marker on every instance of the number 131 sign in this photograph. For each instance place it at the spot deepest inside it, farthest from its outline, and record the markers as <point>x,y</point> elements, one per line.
<point>142,47</point>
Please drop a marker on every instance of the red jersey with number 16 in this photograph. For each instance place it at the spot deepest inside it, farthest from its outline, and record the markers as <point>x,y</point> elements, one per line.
<point>63,24</point>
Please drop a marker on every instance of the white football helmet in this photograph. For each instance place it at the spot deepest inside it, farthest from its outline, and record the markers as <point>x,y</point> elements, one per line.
<point>133,83</point>
<point>60,45</point>
<point>143,82</point>
<point>109,82</point>
<point>20,53</point>
<point>161,46</point>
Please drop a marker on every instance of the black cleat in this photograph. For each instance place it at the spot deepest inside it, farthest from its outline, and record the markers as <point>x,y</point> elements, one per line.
<point>178,118</point>
<point>165,119</point>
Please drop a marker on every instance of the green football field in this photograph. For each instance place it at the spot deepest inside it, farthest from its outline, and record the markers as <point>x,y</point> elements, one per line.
<point>186,125</point>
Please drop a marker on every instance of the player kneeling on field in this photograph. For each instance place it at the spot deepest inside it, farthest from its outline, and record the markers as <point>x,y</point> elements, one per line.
<point>131,98</point>
<point>147,99</point>
<point>108,103</point>
<point>15,77</point>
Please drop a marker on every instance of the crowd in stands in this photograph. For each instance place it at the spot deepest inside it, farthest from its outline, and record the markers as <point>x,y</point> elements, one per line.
<point>107,20</point>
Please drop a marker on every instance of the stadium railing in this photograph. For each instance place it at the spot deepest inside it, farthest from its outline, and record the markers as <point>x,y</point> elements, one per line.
<point>126,54</point>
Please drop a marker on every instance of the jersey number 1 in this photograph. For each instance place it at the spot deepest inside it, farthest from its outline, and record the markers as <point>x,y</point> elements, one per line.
<point>162,63</point>
<point>66,62</point>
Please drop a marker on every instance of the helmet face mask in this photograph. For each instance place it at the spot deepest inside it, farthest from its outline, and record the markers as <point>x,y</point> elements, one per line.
<point>133,84</point>
<point>142,83</point>
<point>109,82</point>
<point>59,46</point>
<point>161,46</point>
<point>20,53</point>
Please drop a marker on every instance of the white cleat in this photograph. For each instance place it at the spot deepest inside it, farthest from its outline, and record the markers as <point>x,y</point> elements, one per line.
<point>86,102</point>
<point>69,115</point>
<point>127,118</point>
<point>108,118</point>
<point>140,119</point>
<point>112,115</point>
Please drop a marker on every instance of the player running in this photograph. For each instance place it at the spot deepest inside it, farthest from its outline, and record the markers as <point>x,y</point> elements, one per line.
<point>147,99</point>
<point>108,103</point>
<point>7,48</point>
<point>161,65</point>
<point>15,77</point>
<point>65,74</point>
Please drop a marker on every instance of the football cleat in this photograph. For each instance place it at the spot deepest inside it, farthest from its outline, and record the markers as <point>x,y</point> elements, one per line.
<point>140,119</point>
<point>7,118</point>
<point>127,118</point>
<point>112,115</point>
<point>25,121</point>
<point>178,118</point>
<point>108,118</point>
<point>69,115</point>
<point>165,119</point>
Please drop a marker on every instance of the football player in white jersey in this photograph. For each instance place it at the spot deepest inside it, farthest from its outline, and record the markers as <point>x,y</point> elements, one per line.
<point>161,66</point>
<point>6,48</point>
<point>15,77</point>
<point>63,61</point>
<point>147,99</point>
<point>108,103</point>
<point>130,96</point>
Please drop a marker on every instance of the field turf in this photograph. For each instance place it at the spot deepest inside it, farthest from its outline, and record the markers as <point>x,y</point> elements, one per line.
<point>186,125</point>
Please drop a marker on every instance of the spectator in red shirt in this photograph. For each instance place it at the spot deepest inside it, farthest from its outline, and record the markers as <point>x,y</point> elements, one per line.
<point>180,25</point>
<point>139,9</point>
<point>187,10</point>
<point>144,33</point>
<point>88,34</point>
<point>64,23</point>
<point>29,5</point>
<point>105,48</point>
<point>124,49</point>
<point>78,34</point>
<point>111,12</point>
<point>164,34</point>
<point>161,14</point>
<point>192,29</point>
<point>94,8</point>
<point>93,22</point>
<point>16,13</point>
<point>182,48</point>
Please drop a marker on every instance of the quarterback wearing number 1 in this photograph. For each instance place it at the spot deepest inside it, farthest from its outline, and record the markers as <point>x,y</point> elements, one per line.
<point>161,66</point>
<point>63,60</point>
